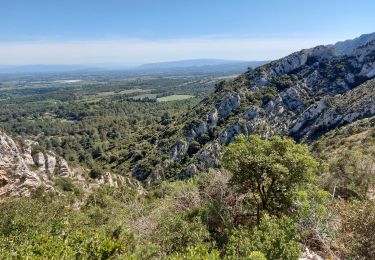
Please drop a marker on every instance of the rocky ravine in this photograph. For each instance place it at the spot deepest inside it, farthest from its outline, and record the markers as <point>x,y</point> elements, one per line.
<point>303,95</point>
<point>24,169</point>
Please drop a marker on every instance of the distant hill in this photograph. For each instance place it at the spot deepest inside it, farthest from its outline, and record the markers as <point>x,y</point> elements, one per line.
<point>197,63</point>
<point>184,66</point>
<point>345,47</point>
<point>200,66</point>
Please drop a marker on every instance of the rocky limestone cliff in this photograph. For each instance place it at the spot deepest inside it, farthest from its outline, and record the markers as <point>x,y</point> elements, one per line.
<point>15,176</point>
<point>346,47</point>
<point>302,95</point>
<point>24,168</point>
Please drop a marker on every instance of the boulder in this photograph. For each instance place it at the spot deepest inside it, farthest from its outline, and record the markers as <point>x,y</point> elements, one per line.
<point>50,162</point>
<point>63,169</point>
<point>229,104</point>
<point>39,159</point>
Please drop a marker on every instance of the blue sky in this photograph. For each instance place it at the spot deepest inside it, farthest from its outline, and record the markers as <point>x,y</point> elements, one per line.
<point>114,31</point>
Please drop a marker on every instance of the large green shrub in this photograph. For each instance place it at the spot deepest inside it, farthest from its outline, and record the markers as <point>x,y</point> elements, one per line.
<point>268,172</point>
<point>175,234</point>
<point>275,238</point>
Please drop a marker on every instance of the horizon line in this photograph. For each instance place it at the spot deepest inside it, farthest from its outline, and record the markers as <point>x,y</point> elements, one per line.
<point>140,51</point>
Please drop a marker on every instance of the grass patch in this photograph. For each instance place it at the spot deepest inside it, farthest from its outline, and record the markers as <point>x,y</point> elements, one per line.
<point>142,96</point>
<point>68,185</point>
<point>32,167</point>
<point>174,98</point>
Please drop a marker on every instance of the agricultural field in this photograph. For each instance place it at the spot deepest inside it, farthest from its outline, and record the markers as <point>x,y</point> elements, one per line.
<point>174,98</point>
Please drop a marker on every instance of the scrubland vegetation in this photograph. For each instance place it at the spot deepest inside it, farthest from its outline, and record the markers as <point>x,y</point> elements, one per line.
<point>271,200</point>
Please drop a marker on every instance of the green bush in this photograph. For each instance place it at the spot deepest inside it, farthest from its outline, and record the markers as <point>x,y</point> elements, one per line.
<point>200,252</point>
<point>67,184</point>
<point>175,234</point>
<point>96,173</point>
<point>256,255</point>
<point>275,238</point>
<point>269,172</point>
<point>352,175</point>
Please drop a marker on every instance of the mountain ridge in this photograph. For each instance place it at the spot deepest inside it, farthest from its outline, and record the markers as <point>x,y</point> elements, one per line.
<point>197,63</point>
<point>345,47</point>
<point>288,97</point>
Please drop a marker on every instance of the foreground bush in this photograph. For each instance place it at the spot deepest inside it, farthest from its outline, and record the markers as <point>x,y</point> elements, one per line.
<point>269,172</point>
<point>275,238</point>
<point>356,235</point>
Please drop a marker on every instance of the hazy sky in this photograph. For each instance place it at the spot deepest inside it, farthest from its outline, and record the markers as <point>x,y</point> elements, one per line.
<point>138,31</point>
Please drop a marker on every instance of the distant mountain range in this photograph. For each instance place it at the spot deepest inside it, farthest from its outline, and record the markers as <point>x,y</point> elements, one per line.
<point>198,65</point>
<point>187,63</point>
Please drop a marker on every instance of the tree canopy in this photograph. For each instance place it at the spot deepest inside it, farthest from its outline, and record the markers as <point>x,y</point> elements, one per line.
<point>269,172</point>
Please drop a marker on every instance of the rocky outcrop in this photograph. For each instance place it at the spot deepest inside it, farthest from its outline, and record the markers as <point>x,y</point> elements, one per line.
<point>63,169</point>
<point>310,255</point>
<point>51,162</point>
<point>15,176</point>
<point>179,149</point>
<point>346,47</point>
<point>229,104</point>
<point>210,156</point>
<point>331,112</point>
<point>24,168</point>
<point>39,159</point>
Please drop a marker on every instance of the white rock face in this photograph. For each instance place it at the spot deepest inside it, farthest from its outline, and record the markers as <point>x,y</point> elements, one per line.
<point>311,113</point>
<point>368,70</point>
<point>229,104</point>
<point>26,149</point>
<point>212,118</point>
<point>15,177</point>
<point>39,160</point>
<point>293,98</point>
<point>50,162</point>
<point>21,173</point>
<point>63,169</point>
<point>339,110</point>
<point>228,134</point>
<point>298,59</point>
<point>293,62</point>
<point>179,149</point>
<point>112,180</point>
<point>310,255</point>
<point>210,156</point>
<point>209,121</point>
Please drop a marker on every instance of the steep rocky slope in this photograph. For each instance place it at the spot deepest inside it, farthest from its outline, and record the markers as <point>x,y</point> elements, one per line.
<point>345,47</point>
<point>303,95</point>
<point>24,168</point>
<point>349,151</point>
